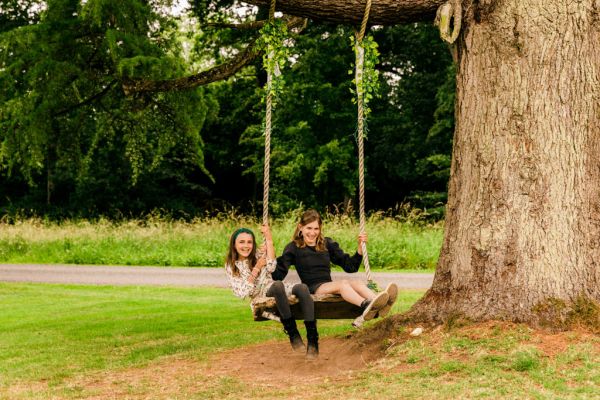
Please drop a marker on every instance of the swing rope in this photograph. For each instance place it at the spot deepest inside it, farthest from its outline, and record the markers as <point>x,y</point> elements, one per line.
<point>268,315</point>
<point>360,57</point>
<point>268,128</point>
<point>363,25</point>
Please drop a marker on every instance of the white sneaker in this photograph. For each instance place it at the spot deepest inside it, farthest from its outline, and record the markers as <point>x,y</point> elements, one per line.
<point>392,291</point>
<point>374,306</point>
<point>358,322</point>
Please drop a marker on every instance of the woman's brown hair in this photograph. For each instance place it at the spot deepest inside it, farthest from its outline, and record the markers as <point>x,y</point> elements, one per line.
<point>307,217</point>
<point>232,254</point>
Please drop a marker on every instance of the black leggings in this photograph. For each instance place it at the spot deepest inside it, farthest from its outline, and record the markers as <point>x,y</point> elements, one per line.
<point>300,290</point>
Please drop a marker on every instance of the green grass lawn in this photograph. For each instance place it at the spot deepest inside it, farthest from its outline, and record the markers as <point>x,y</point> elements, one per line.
<point>53,332</point>
<point>54,335</point>
<point>393,244</point>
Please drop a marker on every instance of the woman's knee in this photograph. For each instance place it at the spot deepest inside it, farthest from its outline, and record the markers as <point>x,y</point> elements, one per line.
<point>345,283</point>
<point>300,289</point>
<point>355,283</point>
<point>277,287</point>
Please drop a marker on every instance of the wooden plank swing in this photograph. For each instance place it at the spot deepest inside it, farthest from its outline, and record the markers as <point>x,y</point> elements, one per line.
<point>329,306</point>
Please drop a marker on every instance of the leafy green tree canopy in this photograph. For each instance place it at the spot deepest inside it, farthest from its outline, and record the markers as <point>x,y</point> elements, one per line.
<point>62,108</point>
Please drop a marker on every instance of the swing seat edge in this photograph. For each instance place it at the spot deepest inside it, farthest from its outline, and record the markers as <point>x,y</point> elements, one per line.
<point>327,306</point>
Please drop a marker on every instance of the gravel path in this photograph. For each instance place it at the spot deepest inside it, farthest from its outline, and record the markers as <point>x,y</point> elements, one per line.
<point>169,276</point>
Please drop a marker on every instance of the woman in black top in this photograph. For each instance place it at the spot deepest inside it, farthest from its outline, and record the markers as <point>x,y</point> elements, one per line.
<point>312,254</point>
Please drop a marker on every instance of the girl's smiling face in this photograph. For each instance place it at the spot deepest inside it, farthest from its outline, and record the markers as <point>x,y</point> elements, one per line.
<point>310,232</point>
<point>244,245</point>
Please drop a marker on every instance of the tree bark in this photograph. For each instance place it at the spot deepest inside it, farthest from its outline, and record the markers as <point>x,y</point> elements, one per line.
<point>383,12</point>
<point>522,236</point>
<point>217,73</point>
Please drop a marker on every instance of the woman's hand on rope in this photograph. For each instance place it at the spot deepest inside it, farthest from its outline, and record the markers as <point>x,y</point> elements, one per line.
<point>362,238</point>
<point>261,250</point>
<point>269,248</point>
<point>260,264</point>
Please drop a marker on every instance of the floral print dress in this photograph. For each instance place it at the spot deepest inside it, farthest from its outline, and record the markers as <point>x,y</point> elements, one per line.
<point>243,288</point>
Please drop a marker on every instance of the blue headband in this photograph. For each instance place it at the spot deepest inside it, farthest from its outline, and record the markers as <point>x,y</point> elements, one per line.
<point>241,230</point>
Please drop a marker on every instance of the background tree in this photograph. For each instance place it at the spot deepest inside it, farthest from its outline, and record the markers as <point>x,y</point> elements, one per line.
<point>67,128</point>
<point>412,123</point>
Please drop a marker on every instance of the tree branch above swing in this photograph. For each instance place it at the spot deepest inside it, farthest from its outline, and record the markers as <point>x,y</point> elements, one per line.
<point>383,12</point>
<point>214,74</point>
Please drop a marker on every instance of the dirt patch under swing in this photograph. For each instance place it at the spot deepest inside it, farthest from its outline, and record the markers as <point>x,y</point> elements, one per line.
<point>269,364</point>
<point>274,363</point>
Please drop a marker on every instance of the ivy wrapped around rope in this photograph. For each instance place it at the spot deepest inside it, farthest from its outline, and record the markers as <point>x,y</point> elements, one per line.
<point>271,42</point>
<point>366,79</point>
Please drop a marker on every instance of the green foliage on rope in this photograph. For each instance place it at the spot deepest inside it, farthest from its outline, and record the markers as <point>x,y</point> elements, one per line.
<point>368,87</point>
<point>275,54</point>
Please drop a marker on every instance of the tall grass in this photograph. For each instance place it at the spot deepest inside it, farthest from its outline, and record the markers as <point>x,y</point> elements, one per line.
<point>394,242</point>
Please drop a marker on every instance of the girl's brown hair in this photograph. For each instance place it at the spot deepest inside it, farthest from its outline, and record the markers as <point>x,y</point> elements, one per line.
<point>232,254</point>
<point>307,217</point>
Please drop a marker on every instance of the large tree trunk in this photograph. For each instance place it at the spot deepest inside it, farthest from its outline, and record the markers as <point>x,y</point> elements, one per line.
<point>522,237</point>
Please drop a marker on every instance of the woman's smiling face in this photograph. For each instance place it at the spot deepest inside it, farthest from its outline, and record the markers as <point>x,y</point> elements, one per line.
<point>244,245</point>
<point>310,232</point>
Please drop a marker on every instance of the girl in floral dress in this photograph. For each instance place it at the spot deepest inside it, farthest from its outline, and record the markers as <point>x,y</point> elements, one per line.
<point>250,276</point>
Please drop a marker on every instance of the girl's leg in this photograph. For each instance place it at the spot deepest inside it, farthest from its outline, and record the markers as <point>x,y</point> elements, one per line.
<point>362,289</point>
<point>312,337</point>
<point>306,301</point>
<point>344,289</point>
<point>277,290</point>
<point>308,309</point>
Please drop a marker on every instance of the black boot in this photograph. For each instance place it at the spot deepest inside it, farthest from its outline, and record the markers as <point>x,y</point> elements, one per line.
<point>312,350</point>
<point>290,328</point>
